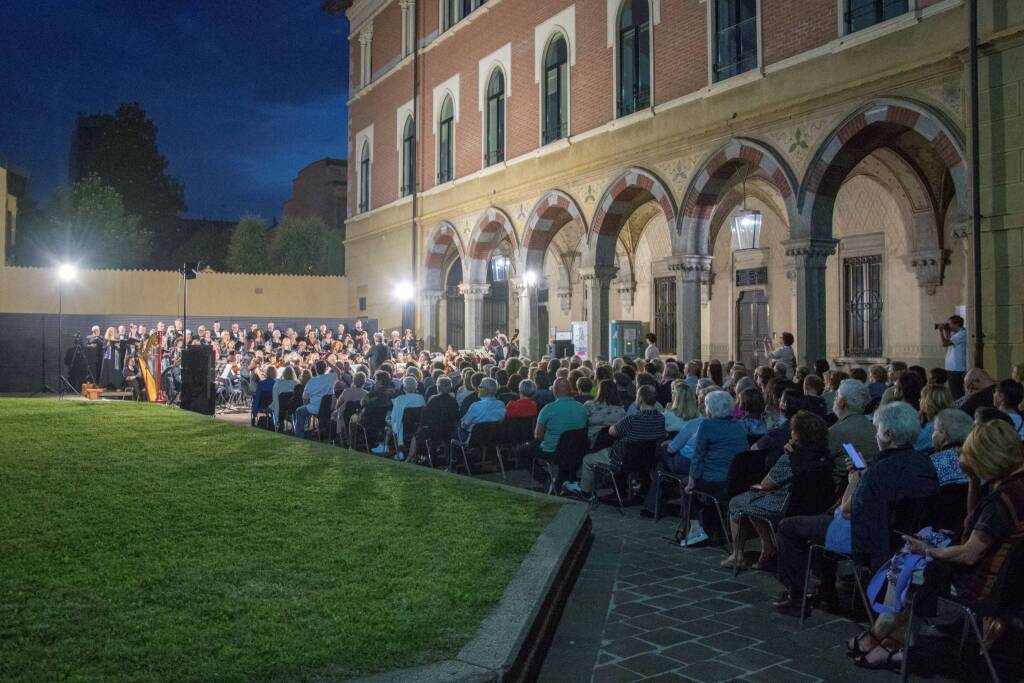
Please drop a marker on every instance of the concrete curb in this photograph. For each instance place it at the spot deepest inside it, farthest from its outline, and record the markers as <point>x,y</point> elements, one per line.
<point>512,640</point>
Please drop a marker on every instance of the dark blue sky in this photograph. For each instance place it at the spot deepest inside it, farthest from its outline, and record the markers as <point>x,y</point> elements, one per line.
<point>244,94</point>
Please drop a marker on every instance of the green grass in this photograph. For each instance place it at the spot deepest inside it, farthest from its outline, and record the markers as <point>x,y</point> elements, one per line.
<point>147,544</point>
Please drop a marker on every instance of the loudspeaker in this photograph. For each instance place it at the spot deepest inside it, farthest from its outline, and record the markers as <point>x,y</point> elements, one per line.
<point>197,393</point>
<point>561,348</point>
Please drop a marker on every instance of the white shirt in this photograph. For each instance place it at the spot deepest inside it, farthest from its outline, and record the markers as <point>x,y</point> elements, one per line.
<point>317,388</point>
<point>956,353</point>
<point>652,352</point>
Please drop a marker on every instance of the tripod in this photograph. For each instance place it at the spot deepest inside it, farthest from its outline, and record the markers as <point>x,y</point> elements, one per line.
<point>78,354</point>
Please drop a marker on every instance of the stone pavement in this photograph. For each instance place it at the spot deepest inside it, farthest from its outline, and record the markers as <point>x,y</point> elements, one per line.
<point>645,609</point>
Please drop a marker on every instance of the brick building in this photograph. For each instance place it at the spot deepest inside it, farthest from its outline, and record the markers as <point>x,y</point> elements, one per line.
<point>527,164</point>
<point>320,190</point>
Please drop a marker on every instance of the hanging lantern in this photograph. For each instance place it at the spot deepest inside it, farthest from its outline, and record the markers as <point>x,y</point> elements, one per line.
<point>746,229</point>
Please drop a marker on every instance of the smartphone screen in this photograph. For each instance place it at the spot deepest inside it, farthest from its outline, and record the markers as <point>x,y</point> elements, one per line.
<point>858,461</point>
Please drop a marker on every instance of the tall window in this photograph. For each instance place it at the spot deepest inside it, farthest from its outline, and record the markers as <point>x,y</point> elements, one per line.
<point>634,57</point>
<point>556,90</point>
<point>495,118</point>
<point>408,156</point>
<point>863,13</point>
<point>735,38</point>
<point>364,178</point>
<point>444,131</point>
<point>862,298</point>
<point>449,13</point>
<point>467,7</point>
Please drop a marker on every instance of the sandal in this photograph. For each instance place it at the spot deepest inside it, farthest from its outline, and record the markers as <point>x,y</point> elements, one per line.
<point>853,648</point>
<point>890,662</point>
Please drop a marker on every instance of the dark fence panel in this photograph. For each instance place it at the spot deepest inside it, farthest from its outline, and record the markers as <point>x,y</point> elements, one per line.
<point>31,353</point>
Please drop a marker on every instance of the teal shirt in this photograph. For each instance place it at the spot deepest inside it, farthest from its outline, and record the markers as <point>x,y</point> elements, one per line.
<point>564,415</point>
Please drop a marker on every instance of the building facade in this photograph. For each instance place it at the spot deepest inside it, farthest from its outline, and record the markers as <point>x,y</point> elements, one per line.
<point>320,190</point>
<point>529,164</point>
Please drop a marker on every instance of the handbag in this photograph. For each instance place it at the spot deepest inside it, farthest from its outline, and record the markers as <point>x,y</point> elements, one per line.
<point>899,571</point>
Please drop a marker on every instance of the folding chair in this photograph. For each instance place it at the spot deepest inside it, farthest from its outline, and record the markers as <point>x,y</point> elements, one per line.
<point>746,469</point>
<point>637,457</point>
<point>1011,574</point>
<point>351,408</point>
<point>263,408</point>
<point>324,423</point>
<point>568,456</point>
<point>515,432</point>
<point>284,409</point>
<point>410,423</point>
<point>484,435</point>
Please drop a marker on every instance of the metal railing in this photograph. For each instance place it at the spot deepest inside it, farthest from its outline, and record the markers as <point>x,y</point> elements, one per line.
<point>639,99</point>
<point>494,156</point>
<point>742,52</point>
<point>875,12</point>
<point>552,133</point>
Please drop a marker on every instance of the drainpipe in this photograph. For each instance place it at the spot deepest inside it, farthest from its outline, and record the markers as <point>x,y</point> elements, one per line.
<point>979,337</point>
<point>416,160</point>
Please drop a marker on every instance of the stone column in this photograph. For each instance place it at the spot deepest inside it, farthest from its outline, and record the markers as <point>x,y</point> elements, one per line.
<point>429,318</point>
<point>597,282</point>
<point>809,259</point>
<point>691,273</point>
<point>529,318</point>
<point>473,295</point>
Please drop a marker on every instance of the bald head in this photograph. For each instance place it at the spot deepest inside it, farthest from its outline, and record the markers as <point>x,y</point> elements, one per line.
<point>976,380</point>
<point>561,387</point>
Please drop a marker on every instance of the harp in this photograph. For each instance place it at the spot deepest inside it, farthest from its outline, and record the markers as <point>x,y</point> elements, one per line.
<point>150,356</point>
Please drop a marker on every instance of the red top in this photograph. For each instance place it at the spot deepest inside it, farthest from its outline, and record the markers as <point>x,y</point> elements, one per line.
<point>521,407</point>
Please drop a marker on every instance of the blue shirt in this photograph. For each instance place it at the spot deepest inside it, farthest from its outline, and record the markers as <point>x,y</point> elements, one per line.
<point>317,388</point>
<point>718,440</point>
<point>947,467</point>
<point>924,439</point>
<point>684,441</point>
<point>487,409</point>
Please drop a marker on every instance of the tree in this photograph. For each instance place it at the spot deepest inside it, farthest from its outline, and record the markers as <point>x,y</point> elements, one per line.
<point>127,158</point>
<point>247,252</point>
<point>299,247</point>
<point>86,223</point>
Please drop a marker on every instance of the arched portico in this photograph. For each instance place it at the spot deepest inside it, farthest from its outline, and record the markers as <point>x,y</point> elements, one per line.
<point>442,247</point>
<point>492,235</point>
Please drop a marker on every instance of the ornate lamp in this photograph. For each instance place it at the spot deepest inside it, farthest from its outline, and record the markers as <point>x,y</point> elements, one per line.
<point>746,225</point>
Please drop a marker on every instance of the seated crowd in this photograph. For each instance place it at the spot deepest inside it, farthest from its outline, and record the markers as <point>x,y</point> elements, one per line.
<point>833,458</point>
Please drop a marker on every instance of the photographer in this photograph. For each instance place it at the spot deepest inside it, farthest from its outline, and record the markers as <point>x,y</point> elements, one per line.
<point>954,338</point>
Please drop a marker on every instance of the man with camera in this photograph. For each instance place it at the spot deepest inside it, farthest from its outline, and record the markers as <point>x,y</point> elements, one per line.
<point>954,339</point>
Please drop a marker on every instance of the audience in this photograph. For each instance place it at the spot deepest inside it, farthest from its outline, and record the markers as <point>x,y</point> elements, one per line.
<point>525,405</point>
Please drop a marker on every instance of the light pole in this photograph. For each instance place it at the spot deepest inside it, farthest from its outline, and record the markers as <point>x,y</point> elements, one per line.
<point>66,272</point>
<point>405,293</point>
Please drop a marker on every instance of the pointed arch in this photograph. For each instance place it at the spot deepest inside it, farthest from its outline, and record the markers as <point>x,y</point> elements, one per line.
<point>493,226</point>
<point>551,213</point>
<point>919,133</point>
<point>441,241</point>
<point>736,160</point>
<point>626,193</point>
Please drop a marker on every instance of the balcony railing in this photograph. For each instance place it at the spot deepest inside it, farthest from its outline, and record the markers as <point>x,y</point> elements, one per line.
<point>738,44</point>
<point>406,189</point>
<point>444,176</point>
<point>639,99</point>
<point>364,206</point>
<point>868,14</point>
<point>552,133</point>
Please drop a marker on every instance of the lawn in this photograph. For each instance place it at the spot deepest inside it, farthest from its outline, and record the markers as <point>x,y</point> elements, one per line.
<point>149,544</point>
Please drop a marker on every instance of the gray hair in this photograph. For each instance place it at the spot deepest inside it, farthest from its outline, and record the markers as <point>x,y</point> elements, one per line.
<point>718,404</point>
<point>647,395</point>
<point>855,393</point>
<point>527,388</point>
<point>410,385</point>
<point>444,385</point>
<point>955,424</point>
<point>488,387</point>
<point>900,421</point>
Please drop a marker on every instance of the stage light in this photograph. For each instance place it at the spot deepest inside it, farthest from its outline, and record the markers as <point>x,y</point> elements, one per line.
<point>530,278</point>
<point>67,272</point>
<point>404,291</point>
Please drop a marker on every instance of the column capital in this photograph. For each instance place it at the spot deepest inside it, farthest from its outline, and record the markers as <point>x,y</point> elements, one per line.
<point>432,295</point>
<point>812,251</point>
<point>406,5</point>
<point>473,290</point>
<point>602,274</point>
<point>366,34</point>
<point>691,262</point>
<point>520,285</point>
<point>928,264</point>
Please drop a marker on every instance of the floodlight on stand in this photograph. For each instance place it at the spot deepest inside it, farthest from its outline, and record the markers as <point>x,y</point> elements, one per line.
<point>404,291</point>
<point>67,272</point>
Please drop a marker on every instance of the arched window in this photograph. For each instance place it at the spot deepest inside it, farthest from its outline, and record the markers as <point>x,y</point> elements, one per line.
<point>444,134</point>
<point>634,57</point>
<point>364,178</point>
<point>495,131</point>
<point>556,90</point>
<point>408,156</point>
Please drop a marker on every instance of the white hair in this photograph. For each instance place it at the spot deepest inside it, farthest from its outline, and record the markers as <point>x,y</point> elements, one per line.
<point>856,395</point>
<point>900,421</point>
<point>955,424</point>
<point>444,385</point>
<point>488,387</point>
<point>410,385</point>
<point>718,404</point>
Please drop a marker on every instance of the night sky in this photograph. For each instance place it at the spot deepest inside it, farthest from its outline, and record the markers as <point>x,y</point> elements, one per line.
<point>244,94</point>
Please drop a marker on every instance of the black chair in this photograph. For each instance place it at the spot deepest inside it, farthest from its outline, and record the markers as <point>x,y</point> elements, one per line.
<point>637,457</point>
<point>351,408</point>
<point>948,508</point>
<point>572,447</point>
<point>484,435</point>
<point>746,469</point>
<point>410,423</point>
<point>515,432</point>
<point>263,408</point>
<point>284,409</point>
<point>372,424</point>
<point>602,440</point>
<point>324,423</point>
<point>1005,590</point>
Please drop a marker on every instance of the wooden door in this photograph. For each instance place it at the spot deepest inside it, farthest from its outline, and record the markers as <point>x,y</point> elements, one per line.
<point>751,327</point>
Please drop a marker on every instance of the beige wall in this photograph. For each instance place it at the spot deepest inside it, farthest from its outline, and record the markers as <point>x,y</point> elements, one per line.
<point>148,292</point>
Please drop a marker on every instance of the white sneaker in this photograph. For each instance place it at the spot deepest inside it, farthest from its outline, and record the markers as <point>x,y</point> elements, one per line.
<point>380,449</point>
<point>573,488</point>
<point>697,535</point>
<point>400,456</point>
